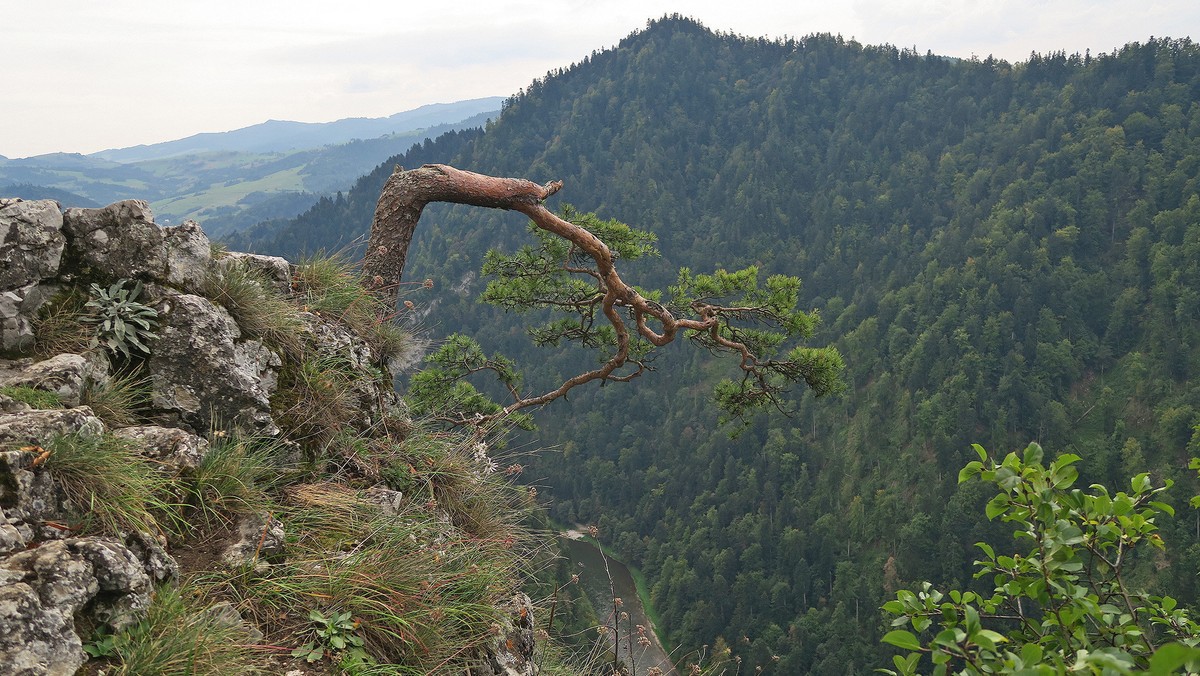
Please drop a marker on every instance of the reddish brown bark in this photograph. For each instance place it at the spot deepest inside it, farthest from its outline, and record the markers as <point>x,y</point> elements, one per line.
<point>404,197</point>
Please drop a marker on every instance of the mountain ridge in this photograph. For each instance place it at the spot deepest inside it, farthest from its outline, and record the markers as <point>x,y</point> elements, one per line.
<point>282,135</point>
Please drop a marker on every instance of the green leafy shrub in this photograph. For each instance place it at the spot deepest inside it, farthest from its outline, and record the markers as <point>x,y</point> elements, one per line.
<point>332,635</point>
<point>1066,604</point>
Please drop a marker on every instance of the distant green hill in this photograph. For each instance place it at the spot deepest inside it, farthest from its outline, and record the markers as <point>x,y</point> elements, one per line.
<point>1003,252</point>
<point>234,179</point>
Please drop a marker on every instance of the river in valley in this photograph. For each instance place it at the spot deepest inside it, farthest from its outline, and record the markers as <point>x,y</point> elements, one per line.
<point>602,583</point>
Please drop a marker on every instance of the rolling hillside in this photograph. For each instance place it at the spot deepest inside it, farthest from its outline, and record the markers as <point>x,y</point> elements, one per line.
<point>234,179</point>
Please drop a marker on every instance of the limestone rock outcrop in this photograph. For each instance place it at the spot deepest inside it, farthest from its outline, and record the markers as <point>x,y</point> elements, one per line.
<point>204,378</point>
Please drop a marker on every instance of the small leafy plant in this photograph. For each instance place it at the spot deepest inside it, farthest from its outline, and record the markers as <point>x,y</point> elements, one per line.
<point>103,644</point>
<point>123,325</point>
<point>334,633</point>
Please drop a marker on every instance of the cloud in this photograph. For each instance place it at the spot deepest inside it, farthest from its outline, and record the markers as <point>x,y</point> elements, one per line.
<point>83,76</point>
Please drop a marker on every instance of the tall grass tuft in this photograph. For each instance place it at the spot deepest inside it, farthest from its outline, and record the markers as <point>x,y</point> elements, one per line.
<point>179,638</point>
<point>119,402</point>
<point>424,593</point>
<point>259,312</point>
<point>113,488</point>
<point>59,326</point>
<point>315,400</point>
<point>231,479</point>
<point>332,286</point>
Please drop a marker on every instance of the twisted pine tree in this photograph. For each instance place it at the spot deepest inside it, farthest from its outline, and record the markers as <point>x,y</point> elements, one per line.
<point>571,269</point>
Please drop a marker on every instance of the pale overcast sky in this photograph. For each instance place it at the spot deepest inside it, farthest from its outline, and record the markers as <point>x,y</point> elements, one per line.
<point>83,75</point>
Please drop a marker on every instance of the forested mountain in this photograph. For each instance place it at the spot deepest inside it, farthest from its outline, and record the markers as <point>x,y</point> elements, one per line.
<point>1002,252</point>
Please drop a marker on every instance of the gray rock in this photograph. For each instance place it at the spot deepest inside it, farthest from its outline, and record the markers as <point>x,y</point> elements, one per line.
<point>189,256</point>
<point>43,590</point>
<point>28,493</point>
<point>66,375</point>
<point>11,539</point>
<point>35,427</point>
<point>203,376</point>
<point>31,250</point>
<point>273,268</point>
<point>159,565</point>
<point>124,589</point>
<point>260,540</point>
<point>31,242</point>
<point>35,640</point>
<point>224,614</point>
<point>511,654</point>
<point>390,502</point>
<point>121,240</point>
<point>176,449</point>
<point>18,307</point>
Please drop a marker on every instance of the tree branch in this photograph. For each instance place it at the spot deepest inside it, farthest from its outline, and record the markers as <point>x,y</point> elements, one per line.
<point>405,196</point>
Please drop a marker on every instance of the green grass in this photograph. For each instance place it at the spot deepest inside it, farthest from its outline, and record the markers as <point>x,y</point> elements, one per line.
<point>39,399</point>
<point>179,637</point>
<point>112,488</point>
<point>59,327</point>
<point>219,194</point>
<point>232,479</point>
<point>332,286</point>
<point>315,400</point>
<point>119,402</point>
<point>259,311</point>
<point>423,593</point>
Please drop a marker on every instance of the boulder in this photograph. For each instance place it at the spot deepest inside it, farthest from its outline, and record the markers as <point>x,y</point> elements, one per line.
<point>274,269</point>
<point>189,256</point>
<point>31,241</point>
<point>67,375</point>
<point>260,539</point>
<point>11,539</point>
<point>31,252</point>
<point>35,426</point>
<point>44,590</point>
<point>177,451</point>
<point>203,375</point>
<point>119,241</point>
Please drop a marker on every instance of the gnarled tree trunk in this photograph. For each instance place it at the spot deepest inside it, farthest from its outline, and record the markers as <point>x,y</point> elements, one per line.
<point>404,197</point>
